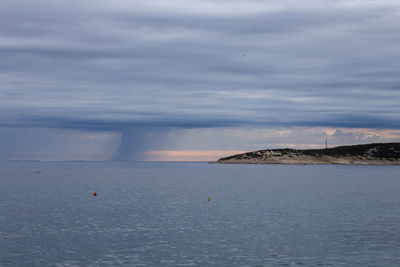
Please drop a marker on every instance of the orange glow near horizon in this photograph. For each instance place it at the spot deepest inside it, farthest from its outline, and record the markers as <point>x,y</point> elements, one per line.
<point>356,135</point>
<point>190,155</point>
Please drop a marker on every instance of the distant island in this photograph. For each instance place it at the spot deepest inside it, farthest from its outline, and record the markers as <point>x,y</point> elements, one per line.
<point>377,153</point>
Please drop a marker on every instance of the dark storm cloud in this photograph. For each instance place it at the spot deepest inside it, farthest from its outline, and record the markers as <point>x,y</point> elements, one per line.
<point>112,66</point>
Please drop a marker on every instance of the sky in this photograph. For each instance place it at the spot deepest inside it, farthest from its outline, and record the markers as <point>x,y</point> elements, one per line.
<point>195,80</point>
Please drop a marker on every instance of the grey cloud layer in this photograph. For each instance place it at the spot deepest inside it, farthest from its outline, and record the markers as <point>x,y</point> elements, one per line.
<point>199,64</point>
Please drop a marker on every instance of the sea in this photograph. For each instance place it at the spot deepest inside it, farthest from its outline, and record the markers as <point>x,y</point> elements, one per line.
<point>198,214</point>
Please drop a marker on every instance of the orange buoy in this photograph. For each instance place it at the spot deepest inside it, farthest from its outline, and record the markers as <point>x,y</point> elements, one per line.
<point>209,199</point>
<point>94,194</point>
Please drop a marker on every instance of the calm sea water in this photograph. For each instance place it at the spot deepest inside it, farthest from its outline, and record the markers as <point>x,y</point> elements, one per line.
<point>157,214</point>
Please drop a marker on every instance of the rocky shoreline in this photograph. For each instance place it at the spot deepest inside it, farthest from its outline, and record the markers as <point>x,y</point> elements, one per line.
<point>367,154</point>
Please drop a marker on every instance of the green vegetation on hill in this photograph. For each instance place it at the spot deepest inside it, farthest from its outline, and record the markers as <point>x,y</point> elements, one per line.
<point>379,151</point>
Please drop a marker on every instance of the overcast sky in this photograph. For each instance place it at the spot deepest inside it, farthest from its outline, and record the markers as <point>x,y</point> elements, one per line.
<point>127,80</point>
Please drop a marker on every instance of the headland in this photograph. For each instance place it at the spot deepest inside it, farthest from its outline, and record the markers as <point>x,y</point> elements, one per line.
<point>366,154</point>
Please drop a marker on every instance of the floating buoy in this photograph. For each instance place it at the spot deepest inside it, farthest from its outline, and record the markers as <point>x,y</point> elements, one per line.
<point>94,194</point>
<point>209,199</point>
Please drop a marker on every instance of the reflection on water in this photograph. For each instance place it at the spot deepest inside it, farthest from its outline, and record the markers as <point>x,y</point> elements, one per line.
<point>158,214</point>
